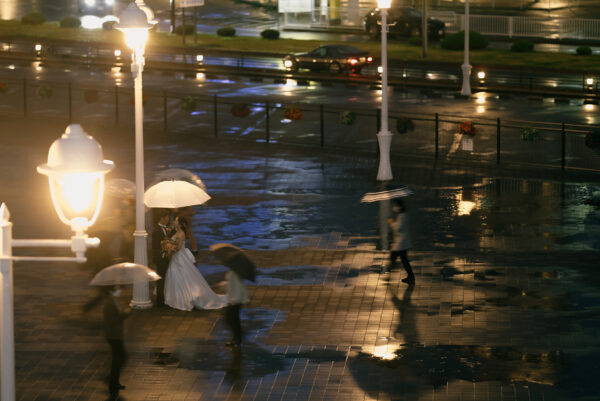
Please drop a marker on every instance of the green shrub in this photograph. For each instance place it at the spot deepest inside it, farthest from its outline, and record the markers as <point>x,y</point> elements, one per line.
<point>415,41</point>
<point>70,22</point>
<point>584,51</point>
<point>108,25</point>
<point>270,34</point>
<point>522,46</point>
<point>226,31</point>
<point>187,28</point>
<point>33,18</point>
<point>456,41</point>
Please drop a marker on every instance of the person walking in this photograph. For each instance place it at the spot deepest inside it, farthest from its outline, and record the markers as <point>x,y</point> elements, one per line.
<point>400,240</point>
<point>113,330</point>
<point>237,295</point>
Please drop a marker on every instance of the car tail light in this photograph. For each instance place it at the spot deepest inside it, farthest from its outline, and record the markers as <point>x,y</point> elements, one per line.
<point>352,61</point>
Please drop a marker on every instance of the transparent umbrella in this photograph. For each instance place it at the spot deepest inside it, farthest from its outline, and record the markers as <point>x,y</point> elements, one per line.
<point>124,274</point>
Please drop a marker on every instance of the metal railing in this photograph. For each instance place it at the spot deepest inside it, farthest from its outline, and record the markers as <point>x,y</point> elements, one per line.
<point>563,145</point>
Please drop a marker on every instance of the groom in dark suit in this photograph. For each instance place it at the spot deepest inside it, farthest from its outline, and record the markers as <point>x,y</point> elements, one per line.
<point>160,259</point>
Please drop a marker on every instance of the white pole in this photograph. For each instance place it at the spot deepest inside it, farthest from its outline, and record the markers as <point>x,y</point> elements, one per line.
<point>141,294</point>
<point>384,137</point>
<point>7,329</point>
<point>466,67</point>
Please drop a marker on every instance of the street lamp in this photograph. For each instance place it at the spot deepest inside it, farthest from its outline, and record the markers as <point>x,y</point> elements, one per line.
<point>466,67</point>
<point>134,24</point>
<point>384,137</point>
<point>75,171</point>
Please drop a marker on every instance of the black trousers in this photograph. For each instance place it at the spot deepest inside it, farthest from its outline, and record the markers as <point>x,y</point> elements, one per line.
<point>119,356</point>
<point>403,256</point>
<point>232,317</point>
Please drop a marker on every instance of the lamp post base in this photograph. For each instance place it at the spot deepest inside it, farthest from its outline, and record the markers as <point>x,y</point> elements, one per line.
<point>466,83</point>
<point>385,169</point>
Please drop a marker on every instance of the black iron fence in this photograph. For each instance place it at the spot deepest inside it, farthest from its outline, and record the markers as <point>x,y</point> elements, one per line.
<point>561,145</point>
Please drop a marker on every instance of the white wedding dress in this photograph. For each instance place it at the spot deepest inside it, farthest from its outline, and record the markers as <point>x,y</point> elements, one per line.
<point>186,288</point>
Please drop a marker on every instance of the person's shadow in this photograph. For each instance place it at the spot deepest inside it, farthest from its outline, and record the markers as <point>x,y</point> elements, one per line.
<point>407,326</point>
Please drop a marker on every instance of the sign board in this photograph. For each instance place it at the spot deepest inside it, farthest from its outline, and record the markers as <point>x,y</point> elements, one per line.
<point>295,6</point>
<point>190,3</point>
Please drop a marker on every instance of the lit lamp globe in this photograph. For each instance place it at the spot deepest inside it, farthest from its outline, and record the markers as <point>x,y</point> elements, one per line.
<point>133,22</point>
<point>75,171</point>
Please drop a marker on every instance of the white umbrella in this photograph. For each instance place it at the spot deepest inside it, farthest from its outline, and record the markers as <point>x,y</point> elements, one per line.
<point>385,195</point>
<point>174,194</point>
<point>178,174</point>
<point>123,274</point>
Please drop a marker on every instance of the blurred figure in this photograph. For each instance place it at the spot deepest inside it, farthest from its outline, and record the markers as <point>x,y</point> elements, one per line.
<point>400,239</point>
<point>237,295</point>
<point>113,330</point>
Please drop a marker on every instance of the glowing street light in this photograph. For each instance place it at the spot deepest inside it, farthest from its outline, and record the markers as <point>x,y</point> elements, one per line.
<point>133,22</point>
<point>384,137</point>
<point>75,170</point>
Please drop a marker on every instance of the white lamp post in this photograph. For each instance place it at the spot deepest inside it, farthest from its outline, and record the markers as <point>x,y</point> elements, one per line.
<point>76,171</point>
<point>384,137</point>
<point>134,24</point>
<point>466,67</point>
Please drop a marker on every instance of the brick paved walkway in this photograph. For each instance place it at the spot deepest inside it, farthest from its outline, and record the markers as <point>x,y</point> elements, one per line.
<point>505,307</point>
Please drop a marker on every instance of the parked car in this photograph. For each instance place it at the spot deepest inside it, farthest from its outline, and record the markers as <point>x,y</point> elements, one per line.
<point>334,58</point>
<point>404,21</point>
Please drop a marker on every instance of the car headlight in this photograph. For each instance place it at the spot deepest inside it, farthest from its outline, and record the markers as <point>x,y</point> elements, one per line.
<point>288,63</point>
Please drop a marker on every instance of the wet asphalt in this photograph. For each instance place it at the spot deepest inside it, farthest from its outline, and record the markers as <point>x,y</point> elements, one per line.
<point>505,304</point>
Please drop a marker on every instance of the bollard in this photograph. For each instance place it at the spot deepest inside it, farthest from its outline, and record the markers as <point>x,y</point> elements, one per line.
<point>267,122</point>
<point>498,141</point>
<point>437,135</point>
<point>216,117</point>
<point>322,117</point>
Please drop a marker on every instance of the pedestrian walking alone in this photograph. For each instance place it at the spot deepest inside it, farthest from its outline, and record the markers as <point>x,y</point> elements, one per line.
<point>400,239</point>
<point>113,330</point>
<point>237,295</point>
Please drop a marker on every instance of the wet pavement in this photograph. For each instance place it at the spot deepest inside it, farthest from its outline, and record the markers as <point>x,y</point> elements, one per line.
<point>505,307</point>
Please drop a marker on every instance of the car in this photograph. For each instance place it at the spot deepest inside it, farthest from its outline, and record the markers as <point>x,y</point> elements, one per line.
<point>404,21</point>
<point>334,58</point>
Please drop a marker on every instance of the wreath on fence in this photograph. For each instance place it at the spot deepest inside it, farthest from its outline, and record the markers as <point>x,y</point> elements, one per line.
<point>404,124</point>
<point>188,104</point>
<point>91,96</point>
<point>3,87</point>
<point>592,140</point>
<point>44,91</point>
<point>347,117</point>
<point>240,110</point>
<point>293,113</point>
<point>466,128</point>
<point>529,134</point>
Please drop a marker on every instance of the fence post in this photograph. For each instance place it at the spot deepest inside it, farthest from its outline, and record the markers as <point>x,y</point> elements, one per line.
<point>165,113</point>
<point>498,141</point>
<point>25,97</point>
<point>267,122</point>
<point>215,115</point>
<point>322,125</point>
<point>117,105</point>
<point>563,142</point>
<point>437,135</point>
<point>70,103</point>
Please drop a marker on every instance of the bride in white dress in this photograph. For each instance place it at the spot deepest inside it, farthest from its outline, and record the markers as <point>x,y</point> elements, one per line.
<point>185,287</point>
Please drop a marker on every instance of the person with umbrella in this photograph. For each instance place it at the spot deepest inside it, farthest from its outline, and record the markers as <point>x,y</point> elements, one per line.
<point>400,240</point>
<point>113,330</point>
<point>242,267</point>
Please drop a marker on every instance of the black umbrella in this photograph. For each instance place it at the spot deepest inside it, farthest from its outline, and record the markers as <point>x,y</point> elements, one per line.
<point>236,259</point>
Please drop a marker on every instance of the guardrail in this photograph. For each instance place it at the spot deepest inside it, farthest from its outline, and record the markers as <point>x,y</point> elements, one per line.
<point>560,145</point>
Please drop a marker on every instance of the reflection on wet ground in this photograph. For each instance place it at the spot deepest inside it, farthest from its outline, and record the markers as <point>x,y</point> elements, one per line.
<point>505,305</point>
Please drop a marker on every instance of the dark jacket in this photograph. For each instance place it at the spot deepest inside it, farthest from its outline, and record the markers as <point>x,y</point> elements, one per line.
<point>159,259</point>
<point>113,319</point>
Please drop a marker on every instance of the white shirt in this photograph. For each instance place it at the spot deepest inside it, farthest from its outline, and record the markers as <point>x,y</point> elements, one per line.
<point>236,290</point>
